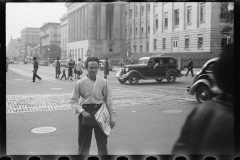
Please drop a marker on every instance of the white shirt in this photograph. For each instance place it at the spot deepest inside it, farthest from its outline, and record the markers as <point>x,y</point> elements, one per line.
<point>83,90</point>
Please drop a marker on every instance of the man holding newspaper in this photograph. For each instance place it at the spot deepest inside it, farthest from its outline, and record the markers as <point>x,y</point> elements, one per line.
<point>92,98</point>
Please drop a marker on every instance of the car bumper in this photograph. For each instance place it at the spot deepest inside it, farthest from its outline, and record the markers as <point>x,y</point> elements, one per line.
<point>120,75</point>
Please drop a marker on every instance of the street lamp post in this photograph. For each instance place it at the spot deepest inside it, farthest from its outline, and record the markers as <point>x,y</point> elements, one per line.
<point>48,56</point>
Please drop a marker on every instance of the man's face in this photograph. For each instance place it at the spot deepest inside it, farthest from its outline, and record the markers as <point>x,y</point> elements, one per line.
<point>92,68</point>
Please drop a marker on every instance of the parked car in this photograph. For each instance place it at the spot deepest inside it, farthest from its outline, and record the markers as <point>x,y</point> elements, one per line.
<point>25,62</point>
<point>167,69</point>
<point>203,83</point>
<point>44,63</point>
<point>63,63</point>
<point>102,62</point>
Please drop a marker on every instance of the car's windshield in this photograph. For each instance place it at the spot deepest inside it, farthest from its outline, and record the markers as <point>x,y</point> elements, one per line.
<point>143,61</point>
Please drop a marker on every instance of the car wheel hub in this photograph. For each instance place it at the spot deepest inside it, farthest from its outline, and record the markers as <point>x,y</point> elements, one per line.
<point>204,95</point>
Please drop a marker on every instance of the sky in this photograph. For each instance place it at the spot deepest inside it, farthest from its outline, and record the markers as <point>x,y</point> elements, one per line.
<point>22,15</point>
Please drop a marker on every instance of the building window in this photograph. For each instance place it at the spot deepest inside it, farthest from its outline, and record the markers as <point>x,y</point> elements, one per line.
<point>136,30</point>
<point>142,30</point>
<point>148,6</point>
<point>135,47</point>
<point>130,13</point>
<point>155,44</point>
<point>176,17</point>
<point>125,31</point>
<point>157,22</point>
<point>224,42</point>
<point>166,19</point>
<point>130,47</point>
<point>148,29</point>
<point>110,47</point>
<point>200,41</point>
<point>186,42</point>
<point>141,47</point>
<point>164,43</point>
<point>175,42</point>
<point>189,11</point>
<point>147,46</point>
<point>130,30</point>
<point>136,11</point>
<point>202,12</point>
<point>142,10</point>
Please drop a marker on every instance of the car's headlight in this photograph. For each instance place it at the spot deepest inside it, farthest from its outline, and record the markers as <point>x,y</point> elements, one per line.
<point>126,69</point>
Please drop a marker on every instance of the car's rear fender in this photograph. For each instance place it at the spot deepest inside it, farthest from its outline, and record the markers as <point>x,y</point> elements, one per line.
<point>134,72</point>
<point>172,70</point>
<point>198,83</point>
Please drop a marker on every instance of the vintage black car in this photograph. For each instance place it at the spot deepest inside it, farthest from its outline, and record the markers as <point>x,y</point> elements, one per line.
<point>157,68</point>
<point>203,83</point>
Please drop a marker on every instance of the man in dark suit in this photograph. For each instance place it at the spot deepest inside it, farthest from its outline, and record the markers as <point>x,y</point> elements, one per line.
<point>35,68</point>
<point>57,68</point>
<point>190,67</point>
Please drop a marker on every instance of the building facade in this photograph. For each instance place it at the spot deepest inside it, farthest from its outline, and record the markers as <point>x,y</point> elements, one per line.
<point>50,36</point>
<point>12,48</point>
<point>29,38</point>
<point>64,35</point>
<point>96,29</point>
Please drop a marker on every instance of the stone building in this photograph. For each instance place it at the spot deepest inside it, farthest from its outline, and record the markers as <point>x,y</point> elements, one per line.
<point>12,48</point>
<point>96,29</point>
<point>64,35</point>
<point>29,38</point>
<point>50,35</point>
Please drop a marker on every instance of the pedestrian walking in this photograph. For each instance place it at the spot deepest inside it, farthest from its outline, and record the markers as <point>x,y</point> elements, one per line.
<point>79,67</point>
<point>70,69</point>
<point>209,128</point>
<point>92,91</point>
<point>121,63</point>
<point>63,73</point>
<point>57,68</point>
<point>35,68</point>
<point>106,68</point>
<point>6,64</point>
<point>190,67</point>
<point>75,71</point>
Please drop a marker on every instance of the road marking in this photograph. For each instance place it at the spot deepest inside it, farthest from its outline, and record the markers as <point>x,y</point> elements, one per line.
<point>18,79</point>
<point>171,111</point>
<point>133,111</point>
<point>56,88</point>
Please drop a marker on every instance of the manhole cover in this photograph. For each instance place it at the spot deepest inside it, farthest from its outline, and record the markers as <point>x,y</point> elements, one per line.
<point>171,111</point>
<point>44,130</point>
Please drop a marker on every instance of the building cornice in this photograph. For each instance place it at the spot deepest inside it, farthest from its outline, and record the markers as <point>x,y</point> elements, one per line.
<point>49,24</point>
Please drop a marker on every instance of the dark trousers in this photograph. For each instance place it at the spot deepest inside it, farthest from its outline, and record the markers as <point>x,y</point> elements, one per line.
<point>63,75</point>
<point>85,137</point>
<point>57,73</point>
<point>35,75</point>
<point>191,72</point>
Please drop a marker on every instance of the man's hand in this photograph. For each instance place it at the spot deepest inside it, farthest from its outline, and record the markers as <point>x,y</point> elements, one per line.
<point>112,124</point>
<point>86,114</point>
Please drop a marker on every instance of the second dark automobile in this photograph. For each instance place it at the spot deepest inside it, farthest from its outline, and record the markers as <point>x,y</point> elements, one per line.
<point>157,68</point>
<point>204,83</point>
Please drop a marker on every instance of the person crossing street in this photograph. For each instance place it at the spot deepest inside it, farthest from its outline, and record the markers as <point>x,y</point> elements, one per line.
<point>35,68</point>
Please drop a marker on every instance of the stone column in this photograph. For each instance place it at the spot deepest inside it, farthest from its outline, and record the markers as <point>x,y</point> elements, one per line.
<point>98,22</point>
<point>86,21</point>
<point>91,21</point>
<point>103,21</point>
<point>116,25</point>
<point>79,24</point>
<point>75,26</point>
<point>69,31</point>
<point>83,24</point>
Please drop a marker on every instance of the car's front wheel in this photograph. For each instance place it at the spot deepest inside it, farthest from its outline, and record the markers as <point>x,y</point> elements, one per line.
<point>203,94</point>
<point>122,80</point>
<point>133,79</point>
<point>171,77</point>
<point>159,80</point>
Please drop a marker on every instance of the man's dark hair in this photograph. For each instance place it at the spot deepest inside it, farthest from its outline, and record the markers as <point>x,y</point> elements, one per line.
<point>89,59</point>
<point>57,58</point>
<point>224,70</point>
<point>79,59</point>
<point>34,58</point>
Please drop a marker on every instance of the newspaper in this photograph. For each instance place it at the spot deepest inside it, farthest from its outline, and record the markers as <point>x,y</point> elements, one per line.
<point>103,119</point>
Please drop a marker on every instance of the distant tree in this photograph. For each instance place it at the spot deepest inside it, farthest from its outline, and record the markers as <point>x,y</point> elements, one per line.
<point>228,15</point>
<point>125,50</point>
<point>55,51</point>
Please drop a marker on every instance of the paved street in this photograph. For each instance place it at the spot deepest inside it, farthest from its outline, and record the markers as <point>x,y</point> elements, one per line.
<point>150,114</point>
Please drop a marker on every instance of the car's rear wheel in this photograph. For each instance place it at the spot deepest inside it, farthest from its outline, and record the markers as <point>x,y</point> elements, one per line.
<point>133,79</point>
<point>203,94</point>
<point>171,77</point>
<point>159,80</point>
<point>122,80</point>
